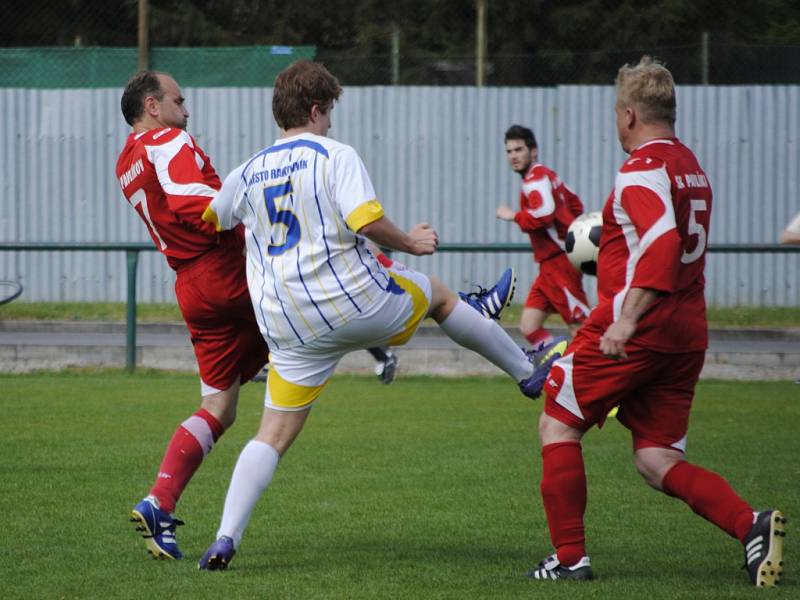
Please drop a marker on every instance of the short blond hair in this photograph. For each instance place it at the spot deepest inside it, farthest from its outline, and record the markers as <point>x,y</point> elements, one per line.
<point>649,88</point>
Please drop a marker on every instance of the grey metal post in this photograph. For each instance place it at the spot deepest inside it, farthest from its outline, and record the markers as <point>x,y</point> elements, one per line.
<point>130,325</point>
<point>704,57</point>
<point>144,49</point>
<point>480,45</point>
<point>395,54</point>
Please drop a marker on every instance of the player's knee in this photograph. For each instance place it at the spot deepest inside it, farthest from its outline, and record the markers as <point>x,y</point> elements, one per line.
<point>544,430</point>
<point>222,406</point>
<point>648,474</point>
<point>654,463</point>
<point>279,429</point>
<point>527,327</point>
<point>226,416</point>
<point>531,322</point>
<point>553,431</point>
<point>443,300</point>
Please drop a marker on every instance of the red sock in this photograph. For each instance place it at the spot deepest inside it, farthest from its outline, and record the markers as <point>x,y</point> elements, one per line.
<point>710,496</point>
<point>537,337</point>
<point>189,445</point>
<point>564,496</point>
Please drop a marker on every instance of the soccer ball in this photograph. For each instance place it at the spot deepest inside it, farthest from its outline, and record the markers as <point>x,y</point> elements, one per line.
<point>583,242</point>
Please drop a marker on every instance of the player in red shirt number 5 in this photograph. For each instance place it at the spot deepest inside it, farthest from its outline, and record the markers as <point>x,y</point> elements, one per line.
<point>643,346</point>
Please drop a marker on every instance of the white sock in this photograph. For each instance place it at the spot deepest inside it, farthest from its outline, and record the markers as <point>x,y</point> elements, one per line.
<point>470,329</point>
<point>251,476</point>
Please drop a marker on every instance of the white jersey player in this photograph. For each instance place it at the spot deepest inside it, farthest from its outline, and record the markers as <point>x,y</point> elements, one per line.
<point>302,200</point>
<point>318,292</point>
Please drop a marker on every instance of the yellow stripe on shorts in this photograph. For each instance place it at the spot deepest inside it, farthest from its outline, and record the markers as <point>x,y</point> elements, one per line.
<point>285,394</point>
<point>419,302</point>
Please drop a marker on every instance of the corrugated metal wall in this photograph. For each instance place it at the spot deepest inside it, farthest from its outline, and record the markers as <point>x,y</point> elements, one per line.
<point>434,154</point>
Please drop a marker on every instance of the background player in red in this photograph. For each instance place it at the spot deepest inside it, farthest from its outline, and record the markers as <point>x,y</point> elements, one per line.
<point>169,181</point>
<point>644,345</point>
<point>547,207</point>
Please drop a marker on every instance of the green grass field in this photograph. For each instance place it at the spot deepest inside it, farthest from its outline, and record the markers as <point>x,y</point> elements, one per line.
<point>424,489</point>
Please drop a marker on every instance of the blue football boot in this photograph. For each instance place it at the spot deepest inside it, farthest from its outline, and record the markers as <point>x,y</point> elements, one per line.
<point>157,528</point>
<point>218,556</point>
<point>542,359</point>
<point>490,303</point>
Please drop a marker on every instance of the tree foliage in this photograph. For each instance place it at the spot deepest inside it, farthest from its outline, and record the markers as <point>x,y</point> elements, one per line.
<point>535,41</point>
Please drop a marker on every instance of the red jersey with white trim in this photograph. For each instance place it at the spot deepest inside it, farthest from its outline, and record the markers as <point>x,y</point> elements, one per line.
<point>169,181</point>
<point>546,208</point>
<point>655,231</point>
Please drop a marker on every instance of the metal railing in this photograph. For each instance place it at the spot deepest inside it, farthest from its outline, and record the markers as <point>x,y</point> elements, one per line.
<point>132,250</point>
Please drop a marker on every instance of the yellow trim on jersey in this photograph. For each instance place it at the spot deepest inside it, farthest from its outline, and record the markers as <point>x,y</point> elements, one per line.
<point>419,303</point>
<point>209,216</point>
<point>286,394</point>
<point>366,213</point>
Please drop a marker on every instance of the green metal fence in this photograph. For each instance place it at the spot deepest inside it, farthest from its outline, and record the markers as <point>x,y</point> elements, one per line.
<point>132,250</point>
<point>103,67</point>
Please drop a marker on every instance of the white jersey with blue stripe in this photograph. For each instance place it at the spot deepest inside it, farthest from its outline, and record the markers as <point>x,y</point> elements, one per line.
<point>302,201</point>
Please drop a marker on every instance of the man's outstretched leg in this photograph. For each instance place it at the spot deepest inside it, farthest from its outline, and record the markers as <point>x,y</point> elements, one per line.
<point>470,329</point>
<point>251,477</point>
<point>190,444</point>
<point>712,497</point>
<point>490,303</point>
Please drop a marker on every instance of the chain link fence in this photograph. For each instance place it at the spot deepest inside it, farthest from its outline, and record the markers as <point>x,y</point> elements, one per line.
<point>715,64</point>
<point>366,42</point>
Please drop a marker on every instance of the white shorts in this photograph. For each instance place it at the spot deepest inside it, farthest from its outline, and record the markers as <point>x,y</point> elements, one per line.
<point>298,375</point>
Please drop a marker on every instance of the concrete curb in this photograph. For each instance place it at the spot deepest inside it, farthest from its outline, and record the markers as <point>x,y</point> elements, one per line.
<point>25,346</point>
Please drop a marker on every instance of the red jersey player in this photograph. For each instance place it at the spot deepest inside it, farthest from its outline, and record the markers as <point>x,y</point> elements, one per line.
<point>644,345</point>
<point>547,207</point>
<point>169,181</point>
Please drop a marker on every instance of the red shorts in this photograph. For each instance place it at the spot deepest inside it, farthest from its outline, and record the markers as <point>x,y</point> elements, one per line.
<point>654,390</point>
<point>215,303</point>
<point>558,288</point>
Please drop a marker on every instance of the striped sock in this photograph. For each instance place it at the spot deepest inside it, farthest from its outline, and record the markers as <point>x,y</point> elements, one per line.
<point>186,450</point>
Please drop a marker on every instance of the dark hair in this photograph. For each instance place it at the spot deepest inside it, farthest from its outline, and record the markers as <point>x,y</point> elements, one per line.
<point>300,86</point>
<point>139,87</point>
<point>518,132</point>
